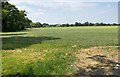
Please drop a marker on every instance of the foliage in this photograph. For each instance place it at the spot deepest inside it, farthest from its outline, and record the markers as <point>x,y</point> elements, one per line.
<point>36,25</point>
<point>13,19</point>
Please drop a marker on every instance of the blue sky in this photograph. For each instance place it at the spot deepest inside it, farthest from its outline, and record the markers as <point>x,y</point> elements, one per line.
<point>69,11</point>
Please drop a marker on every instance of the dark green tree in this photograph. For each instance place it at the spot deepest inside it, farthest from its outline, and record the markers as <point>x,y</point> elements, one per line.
<point>45,25</point>
<point>37,25</point>
<point>12,18</point>
<point>86,24</point>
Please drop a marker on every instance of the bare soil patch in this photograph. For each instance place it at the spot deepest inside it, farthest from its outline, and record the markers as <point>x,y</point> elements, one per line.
<point>97,61</point>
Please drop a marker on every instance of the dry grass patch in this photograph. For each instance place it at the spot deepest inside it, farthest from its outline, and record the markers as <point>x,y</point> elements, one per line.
<point>23,55</point>
<point>97,61</point>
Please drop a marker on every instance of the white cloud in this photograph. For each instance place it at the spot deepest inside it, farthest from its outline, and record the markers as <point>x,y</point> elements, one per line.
<point>64,4</point>
<point>108,6</point>
<point>56,3</point>
<point>36,8</point>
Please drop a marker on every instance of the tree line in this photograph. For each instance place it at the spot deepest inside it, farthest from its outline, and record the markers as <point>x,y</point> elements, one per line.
<point>38,24</point>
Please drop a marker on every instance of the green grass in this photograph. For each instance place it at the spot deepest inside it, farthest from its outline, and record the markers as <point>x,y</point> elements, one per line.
<point>51,51</point>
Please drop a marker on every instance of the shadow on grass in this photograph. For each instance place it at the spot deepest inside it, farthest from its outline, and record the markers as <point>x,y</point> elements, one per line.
<point>113,68</point>
<point>103,59</point>
<point>22,41</point>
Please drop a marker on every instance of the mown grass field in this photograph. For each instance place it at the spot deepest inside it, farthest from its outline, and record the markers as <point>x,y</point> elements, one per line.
<point>51,51</point>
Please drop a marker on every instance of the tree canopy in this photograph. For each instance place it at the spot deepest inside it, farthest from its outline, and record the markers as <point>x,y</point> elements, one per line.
<point>12,18</point>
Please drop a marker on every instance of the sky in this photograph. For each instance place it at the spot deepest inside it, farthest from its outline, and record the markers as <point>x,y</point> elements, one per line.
<point>69,11</point>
